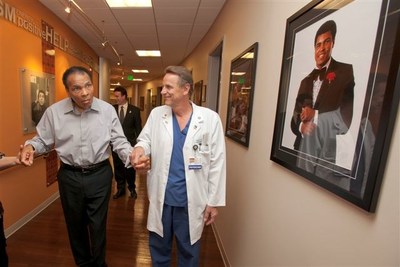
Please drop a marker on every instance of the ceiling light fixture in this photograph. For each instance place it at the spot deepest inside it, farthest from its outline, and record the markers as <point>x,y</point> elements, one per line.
<point>238,73</point>
<point>68,8</point>
<point>140,71</point>
<point>104,43</point>
<point>248,55</point>
<point>128,3</point>
<point>148,53</point>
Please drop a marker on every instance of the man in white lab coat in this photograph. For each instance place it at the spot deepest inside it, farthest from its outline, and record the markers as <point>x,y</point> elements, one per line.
<point>186,182</point>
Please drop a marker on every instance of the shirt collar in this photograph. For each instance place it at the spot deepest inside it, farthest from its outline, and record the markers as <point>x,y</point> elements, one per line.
<point>68,105</point>
<point>124,105</point>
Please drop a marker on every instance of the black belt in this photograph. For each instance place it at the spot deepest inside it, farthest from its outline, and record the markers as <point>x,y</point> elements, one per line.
<point>85,169</point>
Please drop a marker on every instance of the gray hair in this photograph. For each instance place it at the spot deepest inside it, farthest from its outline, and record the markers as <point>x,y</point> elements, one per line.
<point>184,74</point>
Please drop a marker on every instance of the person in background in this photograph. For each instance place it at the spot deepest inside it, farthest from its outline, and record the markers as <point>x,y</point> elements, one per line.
<point>186,182</point>
<point>80,128</point>
<point>131,122</point>
<point>5,162</point>
<point>3,244</point>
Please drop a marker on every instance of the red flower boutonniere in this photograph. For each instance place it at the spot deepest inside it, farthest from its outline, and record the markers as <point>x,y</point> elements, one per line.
<point>330,76</point>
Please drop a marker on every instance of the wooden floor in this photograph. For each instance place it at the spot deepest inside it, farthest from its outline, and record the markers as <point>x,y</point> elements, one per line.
<point>43,242</point>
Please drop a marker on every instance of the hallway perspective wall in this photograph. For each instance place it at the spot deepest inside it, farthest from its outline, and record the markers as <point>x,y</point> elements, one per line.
<point>273,216</point>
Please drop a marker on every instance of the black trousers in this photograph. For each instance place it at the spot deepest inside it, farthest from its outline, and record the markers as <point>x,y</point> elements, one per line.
<point>123,175</point>
<point>84,198</point>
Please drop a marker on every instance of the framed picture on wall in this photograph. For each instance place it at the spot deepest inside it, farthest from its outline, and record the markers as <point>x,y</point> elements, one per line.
<point>338,99</point>
<point>37,91</point>
<point>241,93</point>
<point>197,91</point>
<point>204,94</point>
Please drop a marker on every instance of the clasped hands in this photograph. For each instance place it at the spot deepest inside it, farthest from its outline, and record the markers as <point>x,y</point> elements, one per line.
<point>26,155</point>
<point>139,161</point>
<point>307,116</point>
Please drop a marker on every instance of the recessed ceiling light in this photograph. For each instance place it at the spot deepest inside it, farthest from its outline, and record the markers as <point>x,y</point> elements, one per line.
<point>128,3</point>
<point>238,73</point>
<point>140,71</point>
<point>137,80</point>
<point>248,55</point>
<point>148,53</point>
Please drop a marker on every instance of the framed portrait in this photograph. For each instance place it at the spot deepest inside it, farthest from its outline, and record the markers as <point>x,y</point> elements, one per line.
<point>241,93</point>
<point>197,91</point>
<point>204,94</point>
<point>338,98</point>
<point>37,92</point>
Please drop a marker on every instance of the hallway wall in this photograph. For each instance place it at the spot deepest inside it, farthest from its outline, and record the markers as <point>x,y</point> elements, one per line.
<point>274,217</point>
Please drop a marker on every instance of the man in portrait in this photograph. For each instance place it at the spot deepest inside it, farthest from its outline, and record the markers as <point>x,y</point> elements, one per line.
<point>323,109</point>
<point>38,106</point>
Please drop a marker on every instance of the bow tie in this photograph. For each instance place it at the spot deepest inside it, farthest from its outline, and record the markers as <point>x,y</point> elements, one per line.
<point>319,73</point>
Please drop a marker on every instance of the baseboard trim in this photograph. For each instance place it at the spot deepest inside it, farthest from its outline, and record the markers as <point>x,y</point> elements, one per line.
<point>24,220</point>
<point>220,246</point>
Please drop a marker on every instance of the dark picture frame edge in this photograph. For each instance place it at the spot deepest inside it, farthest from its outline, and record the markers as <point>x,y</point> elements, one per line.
<point>241,95</point>
<point>197,92</point>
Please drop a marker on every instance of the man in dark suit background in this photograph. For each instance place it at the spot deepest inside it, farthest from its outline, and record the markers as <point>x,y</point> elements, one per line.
<point>324,105</point>
<point>131,122</point>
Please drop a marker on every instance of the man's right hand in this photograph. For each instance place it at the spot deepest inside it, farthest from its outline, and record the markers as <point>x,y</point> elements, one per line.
<point>307,114</point>
<point>26,155</point>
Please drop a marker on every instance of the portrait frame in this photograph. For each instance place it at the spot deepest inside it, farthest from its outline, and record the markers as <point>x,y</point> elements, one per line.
<point>35,84</point>
<point>375,105</point>
<point>241,95</point>
<point>204,94</point>
<point>197,92</point>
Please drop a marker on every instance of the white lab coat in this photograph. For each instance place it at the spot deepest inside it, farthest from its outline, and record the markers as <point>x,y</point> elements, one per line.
<point>205,186</point>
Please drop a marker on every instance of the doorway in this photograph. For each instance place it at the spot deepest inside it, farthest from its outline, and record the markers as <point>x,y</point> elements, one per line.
<point>214,77</point>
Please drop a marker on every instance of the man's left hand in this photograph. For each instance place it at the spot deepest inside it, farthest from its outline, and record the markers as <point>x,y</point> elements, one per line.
<point>209,215</point>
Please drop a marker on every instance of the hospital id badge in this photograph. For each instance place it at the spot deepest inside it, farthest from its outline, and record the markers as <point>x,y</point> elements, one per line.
<point>195,163</point>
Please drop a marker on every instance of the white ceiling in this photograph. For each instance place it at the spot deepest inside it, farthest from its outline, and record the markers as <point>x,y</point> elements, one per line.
<point>174,27</point>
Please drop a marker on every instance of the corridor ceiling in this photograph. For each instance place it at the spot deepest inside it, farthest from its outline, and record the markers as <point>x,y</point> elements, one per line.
<point>175,27</point>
